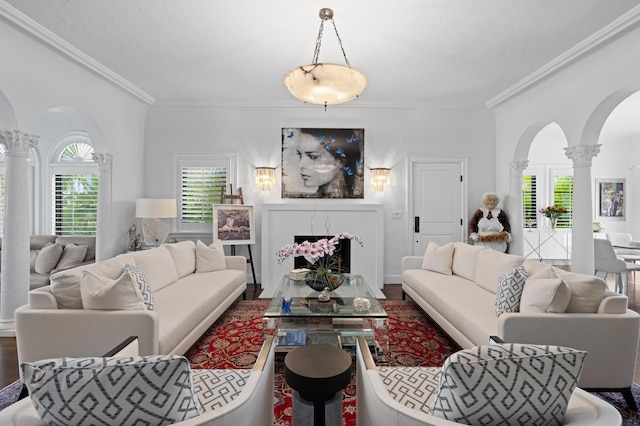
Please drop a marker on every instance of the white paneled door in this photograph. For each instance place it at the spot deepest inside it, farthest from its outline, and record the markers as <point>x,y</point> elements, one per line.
<point>437,204</point>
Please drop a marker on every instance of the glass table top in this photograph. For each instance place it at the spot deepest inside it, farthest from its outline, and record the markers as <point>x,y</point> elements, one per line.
<point>305,301</point>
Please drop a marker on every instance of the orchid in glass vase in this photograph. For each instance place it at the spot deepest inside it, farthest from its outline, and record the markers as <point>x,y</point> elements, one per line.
<point>320,255</point>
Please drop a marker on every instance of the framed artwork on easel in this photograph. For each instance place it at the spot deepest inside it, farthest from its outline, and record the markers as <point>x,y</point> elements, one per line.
<point>233,224</point>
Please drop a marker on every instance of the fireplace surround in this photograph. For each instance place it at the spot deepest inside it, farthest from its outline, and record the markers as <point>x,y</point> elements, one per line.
<point>282,221</point>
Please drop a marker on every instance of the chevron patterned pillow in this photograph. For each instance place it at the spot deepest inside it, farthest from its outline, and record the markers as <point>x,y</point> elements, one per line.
<point>154,390</point>
<point>508,384</point>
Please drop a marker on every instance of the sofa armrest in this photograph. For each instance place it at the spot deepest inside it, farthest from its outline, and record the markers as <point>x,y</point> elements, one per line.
<point>236,262</point>
<point>611,341</point>
<point>412,262</point>
<point>42,298</point>
<point>52,333</point>
<point>613,303</point>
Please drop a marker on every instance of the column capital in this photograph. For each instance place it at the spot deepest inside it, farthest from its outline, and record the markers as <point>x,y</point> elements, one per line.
<point>581,155</point>
<point>17,143</point>
<point>103,160</point>
<point>517,167</point>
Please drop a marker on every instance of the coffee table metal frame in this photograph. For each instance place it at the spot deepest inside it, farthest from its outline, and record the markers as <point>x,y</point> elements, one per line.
<point>336,317</point>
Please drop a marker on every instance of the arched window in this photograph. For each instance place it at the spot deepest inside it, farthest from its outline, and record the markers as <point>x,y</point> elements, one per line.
<point>74,189</point>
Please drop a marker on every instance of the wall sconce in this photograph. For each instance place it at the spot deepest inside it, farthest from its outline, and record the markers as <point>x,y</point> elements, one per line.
<point>265,177</point>
<point>379,178</point>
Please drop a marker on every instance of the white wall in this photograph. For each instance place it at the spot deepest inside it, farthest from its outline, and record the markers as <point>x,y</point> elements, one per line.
<point>35,78</point>
<point>391,136</point>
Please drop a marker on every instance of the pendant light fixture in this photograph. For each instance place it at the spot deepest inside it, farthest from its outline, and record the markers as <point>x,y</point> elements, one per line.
<point>325,83</point>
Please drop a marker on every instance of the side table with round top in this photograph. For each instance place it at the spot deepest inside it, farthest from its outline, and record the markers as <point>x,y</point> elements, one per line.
<point>318,372</point>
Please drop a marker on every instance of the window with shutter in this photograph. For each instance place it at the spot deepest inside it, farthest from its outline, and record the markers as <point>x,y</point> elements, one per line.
<point>201,182</point>
<point>529,201</point>
<point>563,196</point>
<point>74,191</point>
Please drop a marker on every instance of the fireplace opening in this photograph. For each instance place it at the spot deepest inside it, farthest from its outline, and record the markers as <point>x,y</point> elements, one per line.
<point>341,256</point>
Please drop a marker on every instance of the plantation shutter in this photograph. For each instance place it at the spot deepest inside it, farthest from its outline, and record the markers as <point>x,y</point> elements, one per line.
<point>75,201</point>
<point>529,200</point>
<point>200,187</point>
<point>563,196</point>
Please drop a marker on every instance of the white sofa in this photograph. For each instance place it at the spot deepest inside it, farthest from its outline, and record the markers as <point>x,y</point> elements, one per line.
<point>463,303</point>
<point>252,405</point>
<point>55,322</point>
<point>377,405</point>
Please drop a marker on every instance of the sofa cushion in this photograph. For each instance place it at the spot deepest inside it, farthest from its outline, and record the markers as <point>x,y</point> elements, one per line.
<point>157,265</point>
<point>545,295</point>
<point>48,258</point>
<point>80,240</point>
<point>492,265</point>
<point>465,258</point>
<point>143,285</point>
<point>184,257</point>
<point>112,391</point>
<point>537,269</point>
<point>508,384</point>
<point>438,258</point>
<point>106,294</point>
<point>510,287</point>
<point>65,285</point>
<point>209,258</point>
<point>587,291</point>
<point>72,256</point>
<point>413,387</point>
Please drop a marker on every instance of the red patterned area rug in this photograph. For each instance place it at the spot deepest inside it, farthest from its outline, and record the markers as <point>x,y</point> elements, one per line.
<point>235,339</point>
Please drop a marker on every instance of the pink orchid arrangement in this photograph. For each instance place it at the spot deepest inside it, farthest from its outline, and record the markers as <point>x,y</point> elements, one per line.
<point>314,251</point>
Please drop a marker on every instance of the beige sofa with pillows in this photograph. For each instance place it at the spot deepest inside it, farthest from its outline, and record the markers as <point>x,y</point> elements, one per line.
<point>167,297</point>
<point>50,253</point>
<point>474,292</point>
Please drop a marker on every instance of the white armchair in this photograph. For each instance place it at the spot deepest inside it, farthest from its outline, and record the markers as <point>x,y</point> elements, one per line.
<point>376,405</point>
<point>253,405</point>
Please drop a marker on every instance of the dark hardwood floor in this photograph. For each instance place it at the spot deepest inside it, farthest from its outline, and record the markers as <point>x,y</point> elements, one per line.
<point>9,356</point>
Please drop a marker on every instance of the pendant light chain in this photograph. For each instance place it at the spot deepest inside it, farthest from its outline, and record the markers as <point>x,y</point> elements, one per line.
<point>316,52</point>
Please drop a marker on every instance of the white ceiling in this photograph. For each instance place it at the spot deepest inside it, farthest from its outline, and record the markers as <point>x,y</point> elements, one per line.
<point>445,53</point>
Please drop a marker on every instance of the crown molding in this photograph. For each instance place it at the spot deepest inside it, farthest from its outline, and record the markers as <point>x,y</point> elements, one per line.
<point>32,27</point>
<point>585,46</point>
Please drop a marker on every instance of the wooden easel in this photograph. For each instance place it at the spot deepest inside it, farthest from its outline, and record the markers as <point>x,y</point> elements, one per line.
<point>237,199</point>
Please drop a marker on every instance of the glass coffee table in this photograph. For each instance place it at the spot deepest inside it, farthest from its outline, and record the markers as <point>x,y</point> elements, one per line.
<point>337,321</point>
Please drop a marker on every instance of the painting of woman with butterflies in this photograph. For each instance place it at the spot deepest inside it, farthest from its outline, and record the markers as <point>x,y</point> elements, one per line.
<point>322,163</point>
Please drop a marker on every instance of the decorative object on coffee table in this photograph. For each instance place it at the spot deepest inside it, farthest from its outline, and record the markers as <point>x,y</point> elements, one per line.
<point>324,269</point>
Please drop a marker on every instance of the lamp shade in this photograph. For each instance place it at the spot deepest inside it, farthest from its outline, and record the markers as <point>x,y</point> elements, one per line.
<point>325,83</point>
<point>156,208</point>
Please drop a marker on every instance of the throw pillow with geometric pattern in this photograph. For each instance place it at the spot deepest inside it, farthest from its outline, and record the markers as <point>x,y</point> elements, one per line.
<point>217,388</point>
<point>413,387</point>
<point>509,292</point>
<point>145,289</point>
<point>154,390</point>
<point>508,384</point>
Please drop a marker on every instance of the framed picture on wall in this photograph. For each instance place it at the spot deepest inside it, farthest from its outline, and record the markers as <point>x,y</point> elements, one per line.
<point>610,199</point>
<point>322,163</point>
<point>233,224</point>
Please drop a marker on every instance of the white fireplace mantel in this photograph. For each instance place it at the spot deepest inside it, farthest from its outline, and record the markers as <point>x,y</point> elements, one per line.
<point>280,222</point>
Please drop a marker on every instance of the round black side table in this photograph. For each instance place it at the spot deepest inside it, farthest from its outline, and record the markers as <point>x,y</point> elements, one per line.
<point>317,372</point>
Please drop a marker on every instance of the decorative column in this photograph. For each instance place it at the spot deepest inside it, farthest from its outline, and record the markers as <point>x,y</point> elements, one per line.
<point>15,239</point>
<point>515,207</point>
<point>103,227</point>
<point>582,232</point>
